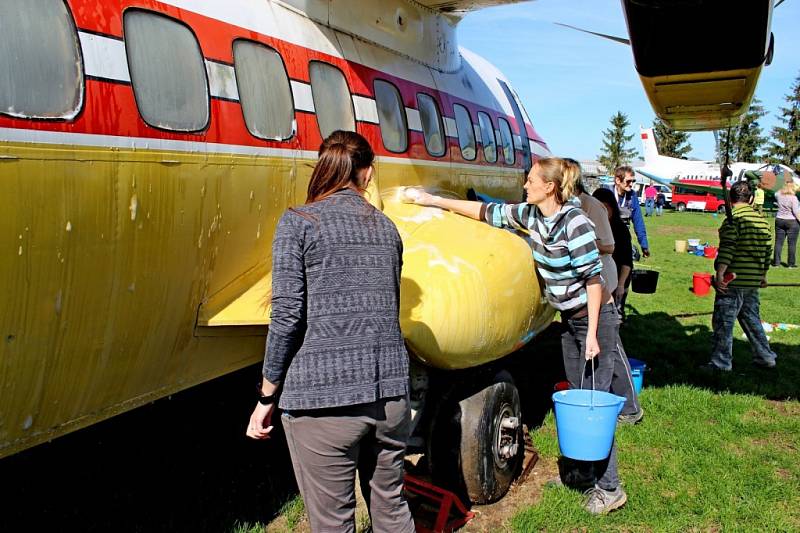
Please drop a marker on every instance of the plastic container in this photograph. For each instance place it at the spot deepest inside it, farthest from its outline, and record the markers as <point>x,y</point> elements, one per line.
<point>644,281</point>
<point>680,247</point>
<point>710,252</point>
<point>701,283</point>
<point>693,242</point>
<point>637,373</point>
<point>585,422</point>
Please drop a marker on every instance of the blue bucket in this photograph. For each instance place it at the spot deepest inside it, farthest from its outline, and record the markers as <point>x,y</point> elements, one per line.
<point>585,421</point>
<point>637,373</point>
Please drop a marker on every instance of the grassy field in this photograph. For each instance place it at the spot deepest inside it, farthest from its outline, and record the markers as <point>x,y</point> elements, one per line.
<point>715,452</point>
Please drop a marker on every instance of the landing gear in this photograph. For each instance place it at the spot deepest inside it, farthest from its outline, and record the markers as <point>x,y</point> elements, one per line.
<point>680,207</point>
<point>483,432</point>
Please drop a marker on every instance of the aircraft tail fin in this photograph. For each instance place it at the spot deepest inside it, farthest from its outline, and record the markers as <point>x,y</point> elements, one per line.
<point>649,145</point>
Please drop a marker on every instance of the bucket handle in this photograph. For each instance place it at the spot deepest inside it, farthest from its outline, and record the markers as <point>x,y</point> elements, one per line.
<point>591,395</point>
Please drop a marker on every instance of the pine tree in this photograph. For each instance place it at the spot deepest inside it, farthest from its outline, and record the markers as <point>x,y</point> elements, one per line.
<point>785,145</point>
<point>746,137</point>
<point>670,143</point>
<point>615,144</point>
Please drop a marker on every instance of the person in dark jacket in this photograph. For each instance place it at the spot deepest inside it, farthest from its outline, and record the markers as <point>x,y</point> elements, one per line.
<point>335,356</point>
<point>622,381</point>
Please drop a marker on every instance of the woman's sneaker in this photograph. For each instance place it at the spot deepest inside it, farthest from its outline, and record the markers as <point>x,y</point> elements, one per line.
<point>601,501</point>
<point>633,418</point>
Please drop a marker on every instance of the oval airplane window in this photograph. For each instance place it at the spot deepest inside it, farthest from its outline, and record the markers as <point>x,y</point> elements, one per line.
<point>41,70</point>
<point>487,137</point>
<point>466,132</point>
<point>432,127</point>
<point>264,90</point>
<point>391,116</point>
<point>333,103</point>
<point>507,139</point>
<point>171,89</point>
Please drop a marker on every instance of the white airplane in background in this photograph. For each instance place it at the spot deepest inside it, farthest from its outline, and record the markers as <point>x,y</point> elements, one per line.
<point>703,175</point>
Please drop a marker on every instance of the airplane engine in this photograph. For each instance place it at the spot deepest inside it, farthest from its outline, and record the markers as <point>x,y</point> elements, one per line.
<point>469,292</point>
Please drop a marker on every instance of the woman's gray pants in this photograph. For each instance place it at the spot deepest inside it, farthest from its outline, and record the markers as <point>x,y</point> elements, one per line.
<point>328,445</point>
<point>579,374</point>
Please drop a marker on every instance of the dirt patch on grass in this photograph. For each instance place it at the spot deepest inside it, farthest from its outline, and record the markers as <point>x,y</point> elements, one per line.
<point>497,516</point>
<point>776,441</point>
<point>787,407</point>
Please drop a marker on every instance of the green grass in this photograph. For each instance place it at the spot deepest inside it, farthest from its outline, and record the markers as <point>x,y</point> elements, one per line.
<point>715,452</point>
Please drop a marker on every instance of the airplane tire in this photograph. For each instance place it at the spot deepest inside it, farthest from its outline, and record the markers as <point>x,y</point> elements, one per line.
<point>492,444</point>
<point>680,207</point>
<point>721,209</point>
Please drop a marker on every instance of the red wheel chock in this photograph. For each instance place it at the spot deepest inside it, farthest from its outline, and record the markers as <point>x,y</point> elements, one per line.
<point>444,503</point>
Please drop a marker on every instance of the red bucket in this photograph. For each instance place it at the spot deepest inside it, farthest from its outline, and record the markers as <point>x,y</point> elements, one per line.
<point>710,251</point>
<point>701,283</point>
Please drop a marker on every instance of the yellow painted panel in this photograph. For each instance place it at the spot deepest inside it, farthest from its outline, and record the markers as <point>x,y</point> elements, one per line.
<point>110,257</point>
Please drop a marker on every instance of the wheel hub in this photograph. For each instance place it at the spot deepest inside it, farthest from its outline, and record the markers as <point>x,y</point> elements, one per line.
<point>505,445</point>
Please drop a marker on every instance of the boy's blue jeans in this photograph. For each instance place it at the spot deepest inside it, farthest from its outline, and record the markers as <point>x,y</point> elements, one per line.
<point>742,304</point>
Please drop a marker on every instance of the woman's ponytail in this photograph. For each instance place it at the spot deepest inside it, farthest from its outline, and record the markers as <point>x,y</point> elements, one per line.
<point>342,155</point>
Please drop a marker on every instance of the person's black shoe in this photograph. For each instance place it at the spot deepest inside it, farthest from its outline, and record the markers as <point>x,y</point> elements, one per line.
<point>711,367</point>
<point>760,363</point>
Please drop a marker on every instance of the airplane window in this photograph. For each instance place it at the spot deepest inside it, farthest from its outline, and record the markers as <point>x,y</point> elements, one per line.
<point>171,89</point>
<point>391,116</point>
<point>264,90</point>
<point>466,132</point>
<point>41,71</point>
<point>332,100</point>
<point>432,127</point>
<point>507,139</point>
<point>487,137</point>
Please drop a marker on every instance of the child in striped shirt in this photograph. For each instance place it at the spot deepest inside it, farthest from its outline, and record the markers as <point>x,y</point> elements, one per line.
<point>745,253</point>
<point>567,258</point>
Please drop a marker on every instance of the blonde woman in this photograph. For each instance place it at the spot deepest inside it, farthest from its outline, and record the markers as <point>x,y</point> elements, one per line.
<point>567,258</point>
<point>787,223</point>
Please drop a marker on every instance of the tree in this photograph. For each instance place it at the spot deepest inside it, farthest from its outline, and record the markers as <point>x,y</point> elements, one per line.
<point>785,145</point>
<point>746,137</point>
<point>615,144</point>
<point>670,143</point>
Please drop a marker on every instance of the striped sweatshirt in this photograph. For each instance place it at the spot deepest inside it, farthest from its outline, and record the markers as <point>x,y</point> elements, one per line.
<point>564,248</point>
<point>745,246</point>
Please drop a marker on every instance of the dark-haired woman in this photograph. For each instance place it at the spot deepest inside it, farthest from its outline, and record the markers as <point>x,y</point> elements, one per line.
<point>335,353</point>
<point>622,382</point>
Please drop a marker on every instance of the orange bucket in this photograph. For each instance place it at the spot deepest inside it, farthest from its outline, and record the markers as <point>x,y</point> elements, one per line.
<point>701,283</point>
<point>710,252</point>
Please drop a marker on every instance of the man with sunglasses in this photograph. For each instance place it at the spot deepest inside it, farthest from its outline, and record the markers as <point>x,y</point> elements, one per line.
<point>628,203</point>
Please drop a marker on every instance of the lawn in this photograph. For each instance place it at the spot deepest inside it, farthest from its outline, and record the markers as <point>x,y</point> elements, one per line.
<point>715,452</point>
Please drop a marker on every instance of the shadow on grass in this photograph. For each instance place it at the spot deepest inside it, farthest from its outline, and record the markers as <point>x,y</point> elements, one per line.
<point>673,351</point>
<point>178,464</point>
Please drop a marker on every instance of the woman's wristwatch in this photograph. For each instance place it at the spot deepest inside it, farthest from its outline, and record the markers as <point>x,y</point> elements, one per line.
<point>266,399</point>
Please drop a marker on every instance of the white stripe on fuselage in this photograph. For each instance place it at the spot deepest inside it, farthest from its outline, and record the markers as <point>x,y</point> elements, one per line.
<point>105,58</point>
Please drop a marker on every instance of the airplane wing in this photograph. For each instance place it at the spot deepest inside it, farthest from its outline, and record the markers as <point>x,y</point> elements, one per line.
<point>462,7</point>
<point>654,177</point>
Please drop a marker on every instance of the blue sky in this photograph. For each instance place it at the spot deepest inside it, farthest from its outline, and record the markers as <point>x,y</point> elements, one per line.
<point>571,83</point>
